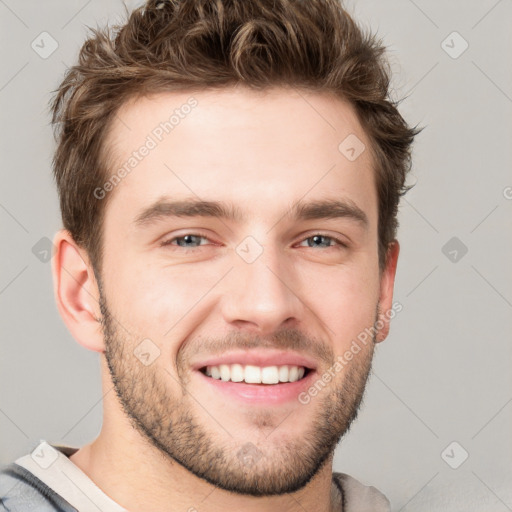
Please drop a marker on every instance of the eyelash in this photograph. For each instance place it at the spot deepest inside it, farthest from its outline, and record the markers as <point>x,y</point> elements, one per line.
<point>168,242</point>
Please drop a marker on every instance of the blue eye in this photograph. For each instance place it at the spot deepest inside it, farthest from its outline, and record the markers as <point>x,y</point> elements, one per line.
<point>319,241</point>
<point>191,241</point>
<point>185,241</point>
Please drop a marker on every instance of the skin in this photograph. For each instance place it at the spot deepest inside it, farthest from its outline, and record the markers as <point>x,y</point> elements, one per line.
<point>263,152</point>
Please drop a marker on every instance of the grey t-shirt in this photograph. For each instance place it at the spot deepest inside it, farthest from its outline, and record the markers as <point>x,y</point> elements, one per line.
<point>47,481</point>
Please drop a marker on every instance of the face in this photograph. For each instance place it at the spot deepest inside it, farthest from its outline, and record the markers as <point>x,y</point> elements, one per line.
<point>240,264</point>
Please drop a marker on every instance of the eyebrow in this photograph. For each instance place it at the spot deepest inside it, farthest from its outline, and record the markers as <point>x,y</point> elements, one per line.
<point>313,210</point>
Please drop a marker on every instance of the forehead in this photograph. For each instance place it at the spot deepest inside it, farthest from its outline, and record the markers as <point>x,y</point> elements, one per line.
<point>257,150</point>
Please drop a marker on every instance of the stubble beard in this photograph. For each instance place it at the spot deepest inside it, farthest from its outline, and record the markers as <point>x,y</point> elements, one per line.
<point>199,443</point>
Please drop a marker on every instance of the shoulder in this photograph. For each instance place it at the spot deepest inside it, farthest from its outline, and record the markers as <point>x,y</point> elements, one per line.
<point>358,497</point>
<point>21,491</point>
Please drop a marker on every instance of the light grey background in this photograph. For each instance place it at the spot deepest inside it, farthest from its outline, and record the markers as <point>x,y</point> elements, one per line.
<point>444,373</point>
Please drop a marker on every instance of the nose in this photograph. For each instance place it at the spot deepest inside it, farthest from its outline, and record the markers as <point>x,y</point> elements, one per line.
<point>261,295</point>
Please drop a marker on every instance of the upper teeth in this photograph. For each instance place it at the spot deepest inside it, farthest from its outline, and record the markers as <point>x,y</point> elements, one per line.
<point>256,374</point>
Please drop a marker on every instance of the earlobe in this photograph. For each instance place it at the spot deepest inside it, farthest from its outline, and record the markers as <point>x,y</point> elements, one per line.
<point>76,292</point>
<point>387,282</point>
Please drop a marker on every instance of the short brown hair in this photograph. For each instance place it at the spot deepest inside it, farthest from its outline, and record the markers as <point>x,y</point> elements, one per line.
<point>198,44</point>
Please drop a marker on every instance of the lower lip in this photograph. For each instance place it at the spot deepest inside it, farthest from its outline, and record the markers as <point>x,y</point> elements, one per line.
<point>265,394</point>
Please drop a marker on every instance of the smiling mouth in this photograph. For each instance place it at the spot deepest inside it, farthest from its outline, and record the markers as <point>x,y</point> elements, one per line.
<point>250,374</point>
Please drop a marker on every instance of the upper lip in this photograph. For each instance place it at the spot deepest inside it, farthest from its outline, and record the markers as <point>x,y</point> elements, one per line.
<point>258,358</point>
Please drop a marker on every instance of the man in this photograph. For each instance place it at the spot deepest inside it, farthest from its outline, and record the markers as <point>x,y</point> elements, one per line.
<point>229,173</point>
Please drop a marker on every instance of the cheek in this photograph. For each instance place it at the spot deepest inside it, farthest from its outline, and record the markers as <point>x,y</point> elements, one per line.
<point>347,304</point>
<point>161,303</point>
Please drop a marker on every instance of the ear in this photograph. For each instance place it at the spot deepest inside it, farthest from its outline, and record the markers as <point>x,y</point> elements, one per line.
<point>387,282</point>
<point>76,292</point>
